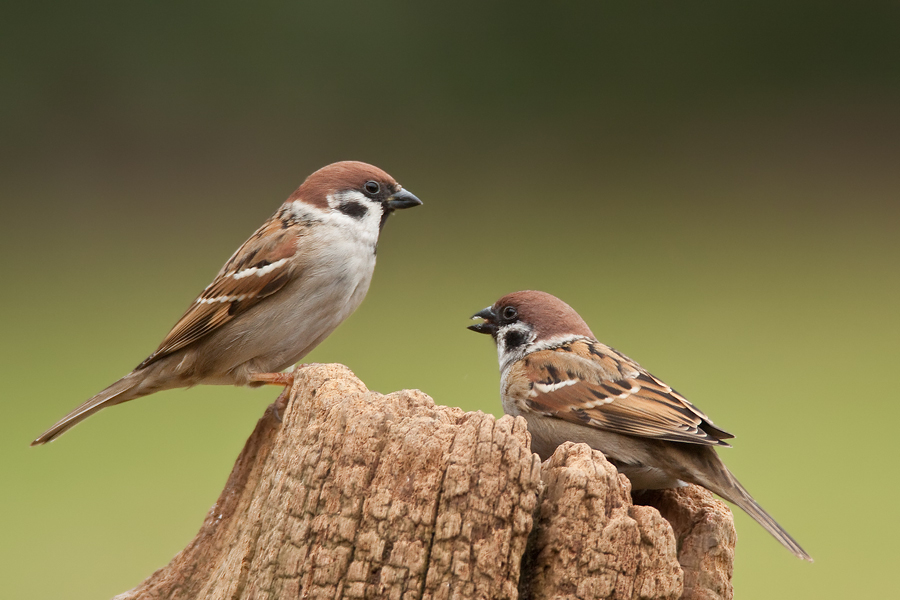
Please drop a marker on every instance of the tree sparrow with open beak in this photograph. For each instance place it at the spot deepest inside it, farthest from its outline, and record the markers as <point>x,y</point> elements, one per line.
<point>570,387</point>
<point>284,291</point>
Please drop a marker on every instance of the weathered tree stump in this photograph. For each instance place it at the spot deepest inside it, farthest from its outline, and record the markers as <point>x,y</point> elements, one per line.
<point>361,495</point>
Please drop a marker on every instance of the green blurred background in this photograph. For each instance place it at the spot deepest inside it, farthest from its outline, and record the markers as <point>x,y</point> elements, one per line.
<point>715,188</point>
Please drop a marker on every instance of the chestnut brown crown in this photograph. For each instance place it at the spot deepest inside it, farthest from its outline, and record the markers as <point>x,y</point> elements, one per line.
<point>547,315</point>
<point>344,176</point>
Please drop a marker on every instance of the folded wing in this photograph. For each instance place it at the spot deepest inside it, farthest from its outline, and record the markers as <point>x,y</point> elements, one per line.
<point>591,384</point>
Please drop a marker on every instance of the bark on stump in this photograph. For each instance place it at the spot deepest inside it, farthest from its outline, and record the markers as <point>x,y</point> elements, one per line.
<point>361,495</point>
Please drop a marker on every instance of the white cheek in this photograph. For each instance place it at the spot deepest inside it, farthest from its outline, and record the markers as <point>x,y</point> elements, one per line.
<point>501,345</point>
<point>365,228</point>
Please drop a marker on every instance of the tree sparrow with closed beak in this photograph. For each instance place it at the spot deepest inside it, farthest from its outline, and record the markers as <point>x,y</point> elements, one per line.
<point>284,291</point>
<point>570,387</point>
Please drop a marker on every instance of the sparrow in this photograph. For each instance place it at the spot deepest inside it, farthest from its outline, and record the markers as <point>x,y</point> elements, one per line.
<point>570,387</point>
<point>284,291</point>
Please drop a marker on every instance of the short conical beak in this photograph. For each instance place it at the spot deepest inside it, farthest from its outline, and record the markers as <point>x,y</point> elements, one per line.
<point>488,326</point>
<point>402,199</point>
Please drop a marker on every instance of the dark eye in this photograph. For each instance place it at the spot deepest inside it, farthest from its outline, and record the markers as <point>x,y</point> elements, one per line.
<point>509,313</point>
<point>372,187</point>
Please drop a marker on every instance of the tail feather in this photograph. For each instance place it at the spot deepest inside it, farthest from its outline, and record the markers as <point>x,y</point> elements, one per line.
<point>123,390</point>
<point>723,483</point>
<point>746,502</point>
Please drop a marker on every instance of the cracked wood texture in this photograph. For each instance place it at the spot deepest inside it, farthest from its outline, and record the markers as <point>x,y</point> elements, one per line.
<point>356,494</point>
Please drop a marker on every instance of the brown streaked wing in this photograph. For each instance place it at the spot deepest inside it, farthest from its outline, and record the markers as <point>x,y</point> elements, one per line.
<point>271,243</point>
<point>612,392</point>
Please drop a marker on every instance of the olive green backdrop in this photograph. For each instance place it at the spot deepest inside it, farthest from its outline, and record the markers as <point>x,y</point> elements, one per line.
<point>715,188</point>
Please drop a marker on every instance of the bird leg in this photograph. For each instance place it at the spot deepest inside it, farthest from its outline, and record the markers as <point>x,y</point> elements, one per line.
<point>285,379</point>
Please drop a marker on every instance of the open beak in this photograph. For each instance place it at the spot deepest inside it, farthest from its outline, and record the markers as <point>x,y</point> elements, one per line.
<point>402,199</point>
<point>488,326</point>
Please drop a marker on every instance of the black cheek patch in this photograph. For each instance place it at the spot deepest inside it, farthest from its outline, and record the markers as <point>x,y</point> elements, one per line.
<point>514,338</point>
<point>354,209</point>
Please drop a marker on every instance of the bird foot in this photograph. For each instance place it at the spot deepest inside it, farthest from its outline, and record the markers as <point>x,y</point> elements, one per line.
<point>280,405</point>
<point>285,379</point>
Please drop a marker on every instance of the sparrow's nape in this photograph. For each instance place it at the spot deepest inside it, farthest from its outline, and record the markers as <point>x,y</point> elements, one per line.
<point>489,326</point>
